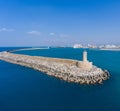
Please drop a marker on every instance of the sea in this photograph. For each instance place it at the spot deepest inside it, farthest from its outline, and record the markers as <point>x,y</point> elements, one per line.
<point>25,89</point>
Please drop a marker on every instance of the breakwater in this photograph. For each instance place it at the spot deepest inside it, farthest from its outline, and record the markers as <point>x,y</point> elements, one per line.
<point>33,48</point>
<point>64,69</point>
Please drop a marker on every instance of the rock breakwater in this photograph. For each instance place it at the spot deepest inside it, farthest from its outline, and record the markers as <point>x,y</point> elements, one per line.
<point>61,68</point>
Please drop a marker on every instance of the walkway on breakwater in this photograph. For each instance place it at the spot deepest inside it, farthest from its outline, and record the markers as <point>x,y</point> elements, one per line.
<point>33,48</point>
<point>65,69</point>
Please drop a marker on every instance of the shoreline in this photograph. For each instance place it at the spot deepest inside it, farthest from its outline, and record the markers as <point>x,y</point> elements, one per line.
<point>64,69</point>
<point>110,49</point>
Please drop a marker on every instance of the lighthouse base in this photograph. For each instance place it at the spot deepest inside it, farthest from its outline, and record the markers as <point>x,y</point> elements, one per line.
<point>85,65</point>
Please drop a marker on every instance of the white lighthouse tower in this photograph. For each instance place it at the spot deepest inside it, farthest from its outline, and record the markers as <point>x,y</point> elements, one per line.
<point>85,64</point>
<point>85,56</point>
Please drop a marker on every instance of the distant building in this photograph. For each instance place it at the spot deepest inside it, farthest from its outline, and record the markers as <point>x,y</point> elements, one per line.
<point>109,47</point>
<point>91,46</point>
<point>78,46</point>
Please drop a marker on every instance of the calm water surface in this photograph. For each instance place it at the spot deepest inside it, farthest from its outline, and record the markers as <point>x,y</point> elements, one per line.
<point>25,89</point>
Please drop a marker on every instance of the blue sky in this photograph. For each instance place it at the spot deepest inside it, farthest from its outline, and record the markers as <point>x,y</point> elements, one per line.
<point>59,22</point>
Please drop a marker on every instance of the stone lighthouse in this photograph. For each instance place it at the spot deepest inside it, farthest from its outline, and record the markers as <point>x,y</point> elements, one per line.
<point>85,56</point>
<point>85,64</point>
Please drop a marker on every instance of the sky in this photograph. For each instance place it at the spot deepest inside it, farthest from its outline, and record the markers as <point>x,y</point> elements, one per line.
<point>59,22</point>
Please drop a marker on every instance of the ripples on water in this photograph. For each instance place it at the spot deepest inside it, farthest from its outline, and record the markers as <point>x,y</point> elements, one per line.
<point>24,89</point>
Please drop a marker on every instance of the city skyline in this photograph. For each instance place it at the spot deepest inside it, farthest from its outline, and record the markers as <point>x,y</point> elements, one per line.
<point>61,22</point>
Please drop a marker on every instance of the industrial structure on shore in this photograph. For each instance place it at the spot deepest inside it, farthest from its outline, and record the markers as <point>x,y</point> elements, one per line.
<point>101,47</point>
<point>83,72</point>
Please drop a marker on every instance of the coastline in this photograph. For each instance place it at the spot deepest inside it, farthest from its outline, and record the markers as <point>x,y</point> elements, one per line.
<point>110,49</point>
<point>61,68</point>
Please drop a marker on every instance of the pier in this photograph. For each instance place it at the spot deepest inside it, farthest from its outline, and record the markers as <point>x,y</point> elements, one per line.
<point>83,72</point>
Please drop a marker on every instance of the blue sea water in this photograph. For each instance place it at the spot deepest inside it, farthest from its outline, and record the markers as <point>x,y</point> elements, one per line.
<point>25,89</point>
